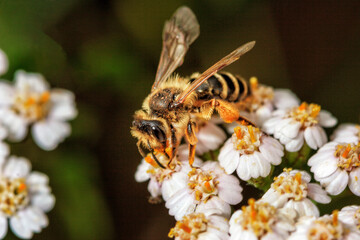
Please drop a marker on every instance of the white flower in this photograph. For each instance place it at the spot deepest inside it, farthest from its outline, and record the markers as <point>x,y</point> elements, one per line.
<point>263,100</point>
<point>260,220</point>
<point>4,148</point>
<point>210,137</point>
<point>250,152</point>
<point>201,226</point>
<point>4,63</point>
<point>351,216</point>
<point>325,227</point>
<point>337,165</point>
<point>295,124</point>
<point>165,182</point>
<point>207,187</point>
<point>30,101</point>
<point>292,189</point>
<point>347,133</point>
<point>24,198</point>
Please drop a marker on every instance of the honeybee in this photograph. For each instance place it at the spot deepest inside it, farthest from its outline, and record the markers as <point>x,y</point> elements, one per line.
<point>170,111</point>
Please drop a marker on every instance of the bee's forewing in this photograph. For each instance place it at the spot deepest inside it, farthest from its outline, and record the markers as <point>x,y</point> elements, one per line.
<point>178,33</point>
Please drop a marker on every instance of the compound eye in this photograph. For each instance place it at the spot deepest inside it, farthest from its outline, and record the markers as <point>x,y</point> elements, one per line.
<point>158,133</point>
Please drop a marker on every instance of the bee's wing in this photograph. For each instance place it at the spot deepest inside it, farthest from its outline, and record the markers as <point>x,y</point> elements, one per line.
<point>227,60</point>
<point>178,33</point>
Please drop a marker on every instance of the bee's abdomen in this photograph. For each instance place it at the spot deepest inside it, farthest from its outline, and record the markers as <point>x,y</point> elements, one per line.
<point>222,85</point>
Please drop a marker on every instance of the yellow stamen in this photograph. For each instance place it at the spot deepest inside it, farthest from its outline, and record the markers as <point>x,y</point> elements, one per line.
<point>254,82</point>
<point>208,187</point>
<point>30,101</point>
<point>22,187</point>
<point>346,152</point>
<point>298,177</point>
<point>251,132</point>
<point>335,217</point>
<point>315,110</point>
<point>45,97</point>
<point>238,132</point>
<point>149,160</point>
<point>303,106</point>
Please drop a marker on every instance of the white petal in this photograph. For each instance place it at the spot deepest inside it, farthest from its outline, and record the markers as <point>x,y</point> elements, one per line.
<point>19,227</point>
<point>16,125</point>
<point>45,202</point>
<point>318,194</point>
<point>175,183</point>
<point>295,144</point>
<point>4,62</point>
<point>48,134</point>
<point>284,98</point>
<point>354,181</point>
<point>229,157</point>
<point>263,114</point>
<point>210,137</point>
<point>229,189</point>
<point>141,174</point>
<point>7,93</point>
<point>270,125</point>
<point>180,204</point>
<point>35,219</point>
<point>3,226</point>
<point>321,156</point>
<point>17,167</point>
<point>63,105</point>
<point>244,168</point>
<point>30,82</point>
<point>325,168</point>
<point>290,129</point>
<point>326,119</point>
<point>217,203</point>
<point>38,182</point>
<point>154,188</point>
<point>315,137</point>
<point>335,183</point>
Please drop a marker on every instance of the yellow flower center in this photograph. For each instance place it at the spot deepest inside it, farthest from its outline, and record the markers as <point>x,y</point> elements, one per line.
<point>33,107</point>
<point>327,228</point>
<point>189,227</point>
<point>258,217</point>
<point>246,139</point>
<point>203,184</point>
<point>348,156</point>
<point>14,195</point>
<point>158,172</point>
<point>259,96</point>
<point>292,186</point>
<point>306,114</point>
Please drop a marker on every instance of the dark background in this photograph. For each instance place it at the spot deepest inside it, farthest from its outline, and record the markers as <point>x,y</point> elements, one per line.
<point>106,52</point>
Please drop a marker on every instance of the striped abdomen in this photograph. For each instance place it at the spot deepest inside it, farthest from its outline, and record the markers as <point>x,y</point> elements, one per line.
<point>222,85</point>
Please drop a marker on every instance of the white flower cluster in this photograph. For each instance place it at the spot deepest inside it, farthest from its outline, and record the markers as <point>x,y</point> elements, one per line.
<point>28,101</point>
<point>287,135</point>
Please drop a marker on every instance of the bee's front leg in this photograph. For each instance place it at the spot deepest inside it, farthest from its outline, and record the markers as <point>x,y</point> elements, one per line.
<point>192,140</point>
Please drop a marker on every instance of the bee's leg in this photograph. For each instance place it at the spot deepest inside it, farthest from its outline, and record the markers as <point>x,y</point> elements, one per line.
<point>141,151</point>
<point>244,121</point>
<point>227,110</point>
<point>192,140</point>
<point>154,157</point>
<point>171,153</point>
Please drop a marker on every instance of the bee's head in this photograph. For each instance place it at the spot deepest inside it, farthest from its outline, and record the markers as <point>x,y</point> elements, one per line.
<point>151,133</point>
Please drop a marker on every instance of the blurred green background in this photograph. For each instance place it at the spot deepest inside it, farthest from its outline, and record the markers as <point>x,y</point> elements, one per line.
<point>106,52</point>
